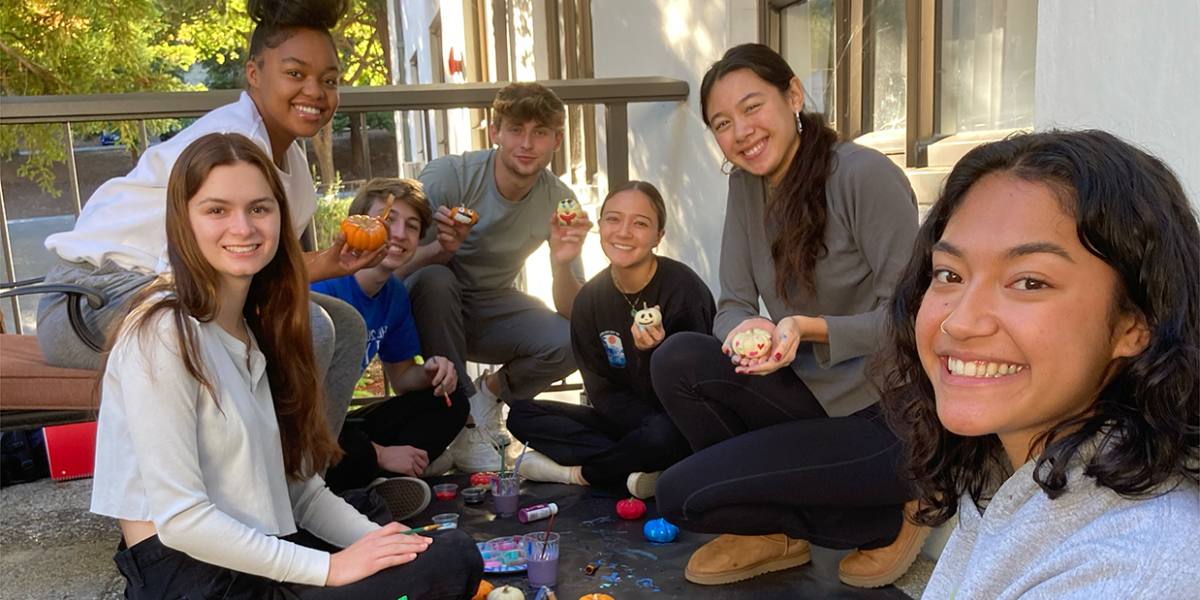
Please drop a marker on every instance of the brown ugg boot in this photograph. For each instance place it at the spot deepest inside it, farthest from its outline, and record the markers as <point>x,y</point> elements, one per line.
<point>731,558</point>
<point>882,566</point>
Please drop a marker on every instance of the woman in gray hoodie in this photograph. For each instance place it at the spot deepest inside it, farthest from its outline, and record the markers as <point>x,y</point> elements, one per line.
<point>1043,372</point>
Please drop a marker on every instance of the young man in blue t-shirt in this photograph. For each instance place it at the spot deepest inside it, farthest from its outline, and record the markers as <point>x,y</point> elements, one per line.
<point>403,435</point>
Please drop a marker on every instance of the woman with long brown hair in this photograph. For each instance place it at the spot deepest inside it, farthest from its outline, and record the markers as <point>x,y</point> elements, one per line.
<point>790,446</point>
<point>212,425</point>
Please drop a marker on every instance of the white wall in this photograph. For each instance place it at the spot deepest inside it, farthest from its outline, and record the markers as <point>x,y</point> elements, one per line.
<point>1131,68</point>
<point>668,143</point>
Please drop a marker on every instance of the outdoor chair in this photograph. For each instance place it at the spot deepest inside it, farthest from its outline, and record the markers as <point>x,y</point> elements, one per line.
<point>34,394</point>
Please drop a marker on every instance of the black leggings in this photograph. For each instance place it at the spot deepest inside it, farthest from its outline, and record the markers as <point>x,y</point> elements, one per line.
<point>450,569</point>
<point>579,435</point>
<point>768,459</point>
<point>419,419</point>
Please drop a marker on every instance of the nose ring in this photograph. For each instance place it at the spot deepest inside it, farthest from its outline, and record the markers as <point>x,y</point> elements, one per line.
<point>943,325</point>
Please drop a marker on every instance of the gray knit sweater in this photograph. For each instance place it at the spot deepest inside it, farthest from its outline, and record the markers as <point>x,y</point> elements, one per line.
<point>1089,544</point>
<point>870,230</point>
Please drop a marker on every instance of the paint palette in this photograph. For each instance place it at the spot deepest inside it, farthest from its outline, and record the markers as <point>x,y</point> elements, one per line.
<point>503,555</point>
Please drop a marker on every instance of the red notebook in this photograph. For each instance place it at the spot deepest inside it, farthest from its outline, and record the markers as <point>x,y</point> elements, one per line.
<point>71,450</point>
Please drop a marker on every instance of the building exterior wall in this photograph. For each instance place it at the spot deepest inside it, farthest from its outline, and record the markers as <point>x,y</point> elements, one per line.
<point>1131,68</point>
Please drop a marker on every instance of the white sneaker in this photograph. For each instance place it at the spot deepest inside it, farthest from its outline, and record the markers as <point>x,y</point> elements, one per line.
<point>539,467</point>
<point>488,411</point>
<point>444,462</point>
<point>473,451</point>
<point>641,485</point>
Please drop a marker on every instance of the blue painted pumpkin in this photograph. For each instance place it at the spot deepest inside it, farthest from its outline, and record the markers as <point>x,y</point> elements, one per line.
<point>660,531</point>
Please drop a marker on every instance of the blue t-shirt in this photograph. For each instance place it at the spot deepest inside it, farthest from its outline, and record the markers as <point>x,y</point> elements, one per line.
<point>391,331</point>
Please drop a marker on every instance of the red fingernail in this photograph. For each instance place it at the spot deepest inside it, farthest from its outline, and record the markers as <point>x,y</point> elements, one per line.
<point>778,356</point>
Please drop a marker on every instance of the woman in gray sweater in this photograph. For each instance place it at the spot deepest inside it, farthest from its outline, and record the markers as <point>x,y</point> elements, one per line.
<point>1044,366</point>
<point>791,447</point>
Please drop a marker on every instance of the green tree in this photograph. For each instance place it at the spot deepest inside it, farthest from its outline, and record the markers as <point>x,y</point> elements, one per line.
<point>82,47</point>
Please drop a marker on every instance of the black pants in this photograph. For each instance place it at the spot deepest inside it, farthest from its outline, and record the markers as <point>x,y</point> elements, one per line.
<point>579,435</point>
<point>449,569</point>
<point>419,419</point>
<point>768,459</point>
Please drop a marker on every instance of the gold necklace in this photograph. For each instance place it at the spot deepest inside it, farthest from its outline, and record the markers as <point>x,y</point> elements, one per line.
<point>633,305</point>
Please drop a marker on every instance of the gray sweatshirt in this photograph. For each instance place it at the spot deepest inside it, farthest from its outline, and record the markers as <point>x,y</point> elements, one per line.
<point>1089,544</point>
<point>870,230</point>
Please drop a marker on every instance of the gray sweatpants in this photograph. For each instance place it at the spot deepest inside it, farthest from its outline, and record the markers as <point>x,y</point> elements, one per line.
<point>339,334</point>
<point>505,327</point>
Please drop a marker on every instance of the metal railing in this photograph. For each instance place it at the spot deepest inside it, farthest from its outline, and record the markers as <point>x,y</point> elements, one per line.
<point>615,94</point>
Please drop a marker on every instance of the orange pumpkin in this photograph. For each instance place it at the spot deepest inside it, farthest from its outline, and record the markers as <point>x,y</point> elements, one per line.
<point>464,215</point>
<point>596,597</point>
<point>484,589</point>
<point>364,233</point>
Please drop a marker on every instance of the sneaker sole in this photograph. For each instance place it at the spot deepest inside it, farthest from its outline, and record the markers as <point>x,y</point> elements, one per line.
<point>404,496</point>
<point>891,575</point>
<point>770,566</point>
<point>643,488</point>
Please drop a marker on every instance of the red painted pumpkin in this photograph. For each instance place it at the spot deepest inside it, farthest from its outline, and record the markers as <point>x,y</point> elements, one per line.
<point>484,478</point>
<point>631,509</point>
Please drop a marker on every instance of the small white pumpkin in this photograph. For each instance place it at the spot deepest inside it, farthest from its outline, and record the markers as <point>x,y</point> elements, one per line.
<point>507,592</point>
<point>752,343</point>
<point>648,317</point>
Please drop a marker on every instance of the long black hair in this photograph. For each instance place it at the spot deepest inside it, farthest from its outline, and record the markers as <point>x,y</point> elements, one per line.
<point>276,21</point>
<point>1130,211</point>
<point>799,202</point>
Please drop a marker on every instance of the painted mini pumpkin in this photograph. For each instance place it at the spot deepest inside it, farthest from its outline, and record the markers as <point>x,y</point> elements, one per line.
<point>464,215</point>
<point>507,592</point>
<point>631,509</point>
<point>660,531</point>
<point>648,317</point>
<point>596,597</point>
<point>485,588</point>
<point>483,478</point>
<point>752,343</point>
<point>364,233</point>
<point>568,210</point>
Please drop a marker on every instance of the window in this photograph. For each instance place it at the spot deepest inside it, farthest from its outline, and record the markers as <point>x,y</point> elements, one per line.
<point>904,76</point>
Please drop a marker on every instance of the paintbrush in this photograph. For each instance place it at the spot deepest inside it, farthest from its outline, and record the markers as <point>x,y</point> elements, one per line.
<point>545,540</point>
<point>425,528</point>
<point>517,466</point>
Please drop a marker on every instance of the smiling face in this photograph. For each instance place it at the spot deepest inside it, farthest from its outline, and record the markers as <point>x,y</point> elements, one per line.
<point>403,230</point>
<point>235,219</point>
<point>629,229</point>
<point>755,123</point>
<point>295,85</point>
<point>1018,329</point>
<point>524,149</point>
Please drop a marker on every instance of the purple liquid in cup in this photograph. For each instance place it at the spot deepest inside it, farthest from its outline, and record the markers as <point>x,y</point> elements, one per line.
<point>506,494</point>
<point>542,572</point>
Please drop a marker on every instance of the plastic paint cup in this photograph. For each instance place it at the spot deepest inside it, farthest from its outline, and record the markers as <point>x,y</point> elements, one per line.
<point>446,520</point>
<point>445,491</point>
<point>474,495</point>
<point>506,494</point>
<point>541,558</point>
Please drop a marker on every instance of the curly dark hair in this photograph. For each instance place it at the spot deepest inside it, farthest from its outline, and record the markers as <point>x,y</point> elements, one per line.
<point>1130,211</point>
<point>800,199</point>
<point>276,21</point>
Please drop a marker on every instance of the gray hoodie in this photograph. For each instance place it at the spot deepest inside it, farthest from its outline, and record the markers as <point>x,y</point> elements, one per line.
<point>1089,544</point>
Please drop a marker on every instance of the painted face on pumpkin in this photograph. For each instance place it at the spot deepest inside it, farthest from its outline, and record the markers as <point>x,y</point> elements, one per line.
<point>568,210</point>
<point>464,215</point>
<point>752,343</point>
<point>648,317</point>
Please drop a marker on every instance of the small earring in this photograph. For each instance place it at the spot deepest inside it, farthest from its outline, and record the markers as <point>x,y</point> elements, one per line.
<point>799,123</point>
<point>724,164</point>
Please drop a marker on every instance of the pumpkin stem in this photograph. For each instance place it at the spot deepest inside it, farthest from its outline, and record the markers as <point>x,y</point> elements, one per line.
<point>388,207</point>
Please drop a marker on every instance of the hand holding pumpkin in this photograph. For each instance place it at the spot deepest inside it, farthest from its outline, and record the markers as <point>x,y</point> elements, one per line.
<point>566,241</point>
<point>450,232</point>
<point>646,337</point>
<point>743,362</point>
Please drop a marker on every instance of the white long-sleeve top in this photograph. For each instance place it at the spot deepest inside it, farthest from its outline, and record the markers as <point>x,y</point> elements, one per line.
<point>125,219</point>
<point>209,472</point>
